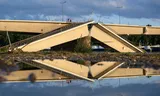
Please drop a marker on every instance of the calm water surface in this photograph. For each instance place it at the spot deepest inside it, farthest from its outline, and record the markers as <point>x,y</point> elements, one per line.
<point>140,86</point>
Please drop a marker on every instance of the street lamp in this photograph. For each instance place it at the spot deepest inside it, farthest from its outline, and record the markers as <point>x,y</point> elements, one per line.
<point>63,2</point>
<point>119,7</point>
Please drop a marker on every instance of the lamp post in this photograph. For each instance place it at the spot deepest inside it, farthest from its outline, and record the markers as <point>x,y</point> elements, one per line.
<point>119,7</point>
<point>62,8</point>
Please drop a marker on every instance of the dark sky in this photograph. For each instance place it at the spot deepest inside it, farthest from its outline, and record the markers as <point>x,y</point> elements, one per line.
<point>113,87</point>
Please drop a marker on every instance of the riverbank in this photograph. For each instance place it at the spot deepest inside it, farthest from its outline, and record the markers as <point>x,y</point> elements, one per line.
<point>129,58</point>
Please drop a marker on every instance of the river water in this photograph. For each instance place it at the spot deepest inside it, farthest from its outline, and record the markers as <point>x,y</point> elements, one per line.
<point>139,86</point>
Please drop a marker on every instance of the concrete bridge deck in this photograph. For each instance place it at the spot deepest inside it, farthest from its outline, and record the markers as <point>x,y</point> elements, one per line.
<point>46,26</point>
<point>27,26</point>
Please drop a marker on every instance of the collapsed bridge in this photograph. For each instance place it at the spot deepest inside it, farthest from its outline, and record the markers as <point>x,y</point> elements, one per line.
<point>57,34</point>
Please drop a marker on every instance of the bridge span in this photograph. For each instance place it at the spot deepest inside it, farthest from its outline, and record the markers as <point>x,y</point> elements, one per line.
<point>46,26</point>
<point>73,32</point>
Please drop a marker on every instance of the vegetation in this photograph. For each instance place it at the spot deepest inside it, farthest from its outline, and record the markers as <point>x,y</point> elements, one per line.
<point>23,66</point>
<point>79,61</point>
<point>14,37</point>
<point>83,45</point>
<point>143,39</point>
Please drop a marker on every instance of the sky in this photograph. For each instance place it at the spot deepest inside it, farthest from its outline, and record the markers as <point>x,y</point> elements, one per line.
<point>132,12</point>
<point>140,86</point>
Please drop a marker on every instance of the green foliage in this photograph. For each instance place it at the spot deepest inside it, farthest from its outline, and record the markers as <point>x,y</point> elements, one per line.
<point>3,50</point>
<point>128,54</point>
<point>142,39</point>
<point>81,47</point>
<point>3,39</point>
<point>17,51</point>
<point>14,37</point>
<point>23,66</point>
<point>45,52</point>
<point>80,61</point>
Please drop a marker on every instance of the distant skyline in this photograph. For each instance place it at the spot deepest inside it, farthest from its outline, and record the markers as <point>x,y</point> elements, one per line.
<point>132,12</point>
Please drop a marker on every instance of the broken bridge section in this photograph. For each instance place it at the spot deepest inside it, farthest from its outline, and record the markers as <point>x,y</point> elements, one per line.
<point>97,31</point>
<point>46,40</point>
<point>60,36</point>
<point>110,38</point>
<point>73,32</point>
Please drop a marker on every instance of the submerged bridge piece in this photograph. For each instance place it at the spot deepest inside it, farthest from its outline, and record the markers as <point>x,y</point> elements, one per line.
<point>72,32</point>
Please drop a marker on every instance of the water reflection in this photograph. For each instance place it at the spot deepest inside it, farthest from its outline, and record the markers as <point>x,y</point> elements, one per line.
<point>140,86</point>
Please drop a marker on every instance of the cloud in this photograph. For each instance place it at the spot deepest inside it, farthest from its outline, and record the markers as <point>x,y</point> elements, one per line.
<point>31,9</point>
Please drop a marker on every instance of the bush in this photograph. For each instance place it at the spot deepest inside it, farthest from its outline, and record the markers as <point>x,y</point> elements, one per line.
<point>83,46</point>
